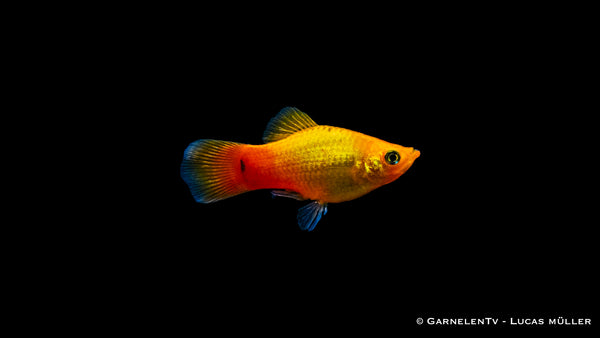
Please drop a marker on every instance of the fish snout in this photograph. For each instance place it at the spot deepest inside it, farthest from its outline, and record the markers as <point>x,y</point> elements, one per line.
<point>415,153</point>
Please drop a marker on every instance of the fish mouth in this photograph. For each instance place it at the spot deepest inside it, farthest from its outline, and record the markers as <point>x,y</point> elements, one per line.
<point>413,155</point>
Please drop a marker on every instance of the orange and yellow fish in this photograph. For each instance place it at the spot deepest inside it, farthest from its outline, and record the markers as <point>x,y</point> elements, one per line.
<point>300,160</point>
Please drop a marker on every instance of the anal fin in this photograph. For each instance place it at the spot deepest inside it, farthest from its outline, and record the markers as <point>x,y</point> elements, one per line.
<point>310,214</point>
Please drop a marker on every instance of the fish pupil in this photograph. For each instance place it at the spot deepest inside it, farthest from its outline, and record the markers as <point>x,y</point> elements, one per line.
<point>392,157</point>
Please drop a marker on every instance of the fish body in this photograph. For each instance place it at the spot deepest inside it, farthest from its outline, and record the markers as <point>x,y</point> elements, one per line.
<point>300,160</point>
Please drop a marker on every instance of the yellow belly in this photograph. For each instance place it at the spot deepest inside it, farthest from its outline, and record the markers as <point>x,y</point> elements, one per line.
<point>321,163</point>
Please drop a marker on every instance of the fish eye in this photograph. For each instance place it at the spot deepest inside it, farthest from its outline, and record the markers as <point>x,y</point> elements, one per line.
<point>392,157</point>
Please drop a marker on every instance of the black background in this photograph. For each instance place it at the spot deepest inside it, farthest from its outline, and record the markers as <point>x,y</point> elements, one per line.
<point>490,219</point>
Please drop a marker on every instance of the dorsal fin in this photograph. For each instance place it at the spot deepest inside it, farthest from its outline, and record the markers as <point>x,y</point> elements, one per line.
<point>288,121</point>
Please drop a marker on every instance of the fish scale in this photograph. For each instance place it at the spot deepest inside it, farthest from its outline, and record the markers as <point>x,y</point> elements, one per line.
<point>315,160</point>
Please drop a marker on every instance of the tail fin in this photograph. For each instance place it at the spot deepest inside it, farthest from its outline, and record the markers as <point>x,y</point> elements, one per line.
<point>213,170</point>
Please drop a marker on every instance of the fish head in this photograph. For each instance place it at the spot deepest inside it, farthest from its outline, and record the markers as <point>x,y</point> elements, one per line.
<point>388,161</point>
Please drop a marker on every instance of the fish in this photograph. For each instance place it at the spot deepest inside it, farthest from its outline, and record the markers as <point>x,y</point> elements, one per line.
<point>300,160</point>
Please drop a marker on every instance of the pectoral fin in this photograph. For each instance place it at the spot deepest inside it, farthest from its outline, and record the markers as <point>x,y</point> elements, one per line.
<point>310,214</point>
